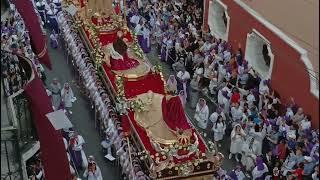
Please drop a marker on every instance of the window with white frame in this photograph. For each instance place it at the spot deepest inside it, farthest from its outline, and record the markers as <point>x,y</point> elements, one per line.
<point>259,54</point>
<point>218,20</point>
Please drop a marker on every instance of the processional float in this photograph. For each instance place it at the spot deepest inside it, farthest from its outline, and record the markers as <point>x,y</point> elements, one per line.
<point>169,146</point>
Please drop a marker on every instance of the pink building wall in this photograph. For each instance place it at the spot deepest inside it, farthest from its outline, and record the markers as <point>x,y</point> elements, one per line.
<point>289,75</point>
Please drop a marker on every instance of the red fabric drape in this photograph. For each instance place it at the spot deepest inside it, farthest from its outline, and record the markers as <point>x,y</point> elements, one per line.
<point>106,38</point>
<point>53,152</point>
<point>151,82</point>
<point>173,113</point>
<point>31,20</point>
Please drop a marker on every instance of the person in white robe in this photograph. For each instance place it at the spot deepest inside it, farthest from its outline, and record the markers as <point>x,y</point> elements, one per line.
<point>169,46</point>
<point>263,90</point>
<point>249,156</point>
<point>92,172</point>
<point>259,136</point>
<point>212,75</point>
<point>147,41</point>
<point>183,98</point>
<point>221,71</point>
<point>214,116</point>
<point>135,19</point>
<point>224,95</point>
<point>237,139</point>
<point>236,112</point>
<point>67,97</point>
<point>250,99</point>
<point>219,129</point>
<point>139,28</point>
<point>172,85</point>
<point>202,114</point>
<point>108,142</point>
<point>76,143</point>
<point>289,163</point>
<point>207,46</point>
<point>183,79</point>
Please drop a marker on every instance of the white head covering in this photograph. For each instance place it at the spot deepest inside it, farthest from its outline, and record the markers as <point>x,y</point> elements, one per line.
<point>233,132</point>
<point>170,83</point>
<point>63,89</point>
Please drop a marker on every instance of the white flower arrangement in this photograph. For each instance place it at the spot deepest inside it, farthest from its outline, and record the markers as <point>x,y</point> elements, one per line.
<point>122,107</point>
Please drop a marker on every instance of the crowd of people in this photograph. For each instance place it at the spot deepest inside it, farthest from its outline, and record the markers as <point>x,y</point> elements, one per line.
<point>269,138</point>
<point>35,168</point>
<point>15,43</point>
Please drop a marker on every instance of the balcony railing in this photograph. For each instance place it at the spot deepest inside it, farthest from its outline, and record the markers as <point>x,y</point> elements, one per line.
<point>18,135</point>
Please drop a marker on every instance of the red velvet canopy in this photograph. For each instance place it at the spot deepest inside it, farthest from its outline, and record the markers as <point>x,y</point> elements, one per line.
<point>53,152</point>
<point>38,39</point>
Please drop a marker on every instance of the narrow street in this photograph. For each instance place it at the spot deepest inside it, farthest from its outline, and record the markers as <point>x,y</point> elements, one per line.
<point>83,115</point>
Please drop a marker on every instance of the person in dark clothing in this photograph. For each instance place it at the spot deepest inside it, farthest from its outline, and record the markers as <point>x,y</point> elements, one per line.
<point>253,81</point>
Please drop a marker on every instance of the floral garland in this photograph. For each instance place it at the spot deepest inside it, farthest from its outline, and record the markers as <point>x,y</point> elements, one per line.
<point>157,69</point>
<point>212,147</point>
<point>123,104</point>
<point>115,23</point>
<point>136,47</point>
<point>97,52</point>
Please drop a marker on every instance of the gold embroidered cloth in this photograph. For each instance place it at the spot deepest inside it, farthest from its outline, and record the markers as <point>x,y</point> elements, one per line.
<point>152,119</point>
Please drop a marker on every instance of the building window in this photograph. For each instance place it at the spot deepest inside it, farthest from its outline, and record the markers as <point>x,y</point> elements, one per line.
<point>265,53</point>
<point>259,54</point>
<point>218,19</point>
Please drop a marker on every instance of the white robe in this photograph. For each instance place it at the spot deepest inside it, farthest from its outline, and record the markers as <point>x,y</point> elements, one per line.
<point>67,97</point>
<point>248,158</point>
<point>223,100</point>
<point>259,136</point>
<point>201,116</point>
<point>93,176</point>
<point>219,131</point>
<point>184,77</point>
<point>236,113</point>
<point>236,142</point>
<point>251,99</point>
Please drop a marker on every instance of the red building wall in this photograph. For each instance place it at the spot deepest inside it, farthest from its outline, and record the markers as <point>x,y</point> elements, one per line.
<point>289,76</point>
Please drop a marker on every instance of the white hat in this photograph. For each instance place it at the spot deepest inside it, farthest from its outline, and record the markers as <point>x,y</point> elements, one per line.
<point>308,158</point>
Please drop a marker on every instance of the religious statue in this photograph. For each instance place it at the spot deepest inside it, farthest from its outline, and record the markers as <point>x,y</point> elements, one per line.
<point>101,7</point>
<point>116,54</point>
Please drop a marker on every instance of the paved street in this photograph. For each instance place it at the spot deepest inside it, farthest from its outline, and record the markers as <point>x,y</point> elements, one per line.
<point>83,116</point>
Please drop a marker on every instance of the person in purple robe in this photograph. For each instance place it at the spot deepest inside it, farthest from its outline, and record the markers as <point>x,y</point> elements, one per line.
<point>259,172</point>
<point>54,40</point>
<point>163,48</point>
<point>146,42</point>
<point>75,146</point>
